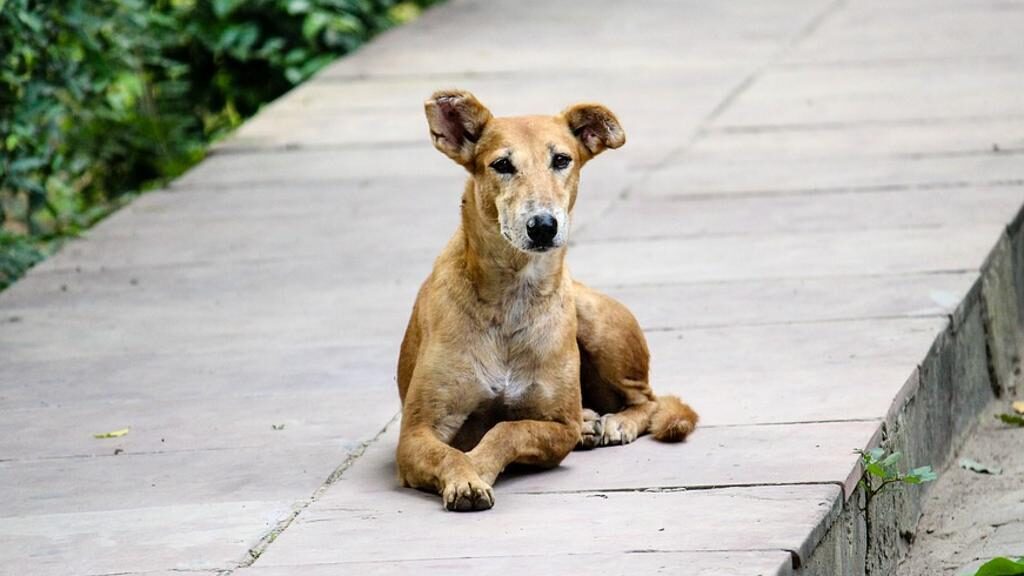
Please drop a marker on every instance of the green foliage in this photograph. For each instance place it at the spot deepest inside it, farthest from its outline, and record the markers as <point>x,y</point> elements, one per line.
<point>880,470</point>
<point>1001,566</point>
<point>1011,419</point>
<point>99,100</point>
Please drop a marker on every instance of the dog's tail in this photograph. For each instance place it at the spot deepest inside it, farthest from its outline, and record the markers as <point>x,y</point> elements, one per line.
<point>673,421</point>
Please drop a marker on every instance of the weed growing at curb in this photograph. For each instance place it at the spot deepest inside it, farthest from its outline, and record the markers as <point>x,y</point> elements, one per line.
<point>879,472</point>
<point>881,466</point>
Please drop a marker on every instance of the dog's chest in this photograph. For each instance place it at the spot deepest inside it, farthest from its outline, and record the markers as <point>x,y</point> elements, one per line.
<point>509,352</point>
<point>503,371</point>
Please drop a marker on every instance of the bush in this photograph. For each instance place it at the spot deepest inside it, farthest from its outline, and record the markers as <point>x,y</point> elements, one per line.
<point>100,100</point>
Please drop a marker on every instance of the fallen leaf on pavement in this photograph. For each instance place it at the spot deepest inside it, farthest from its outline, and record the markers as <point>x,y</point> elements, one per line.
<point>975,466</point>
<point>113,434</point>
<point>1018,407</point>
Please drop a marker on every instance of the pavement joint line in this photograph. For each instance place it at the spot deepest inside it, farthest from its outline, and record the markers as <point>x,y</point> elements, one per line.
<point>128,454</point>
<point>810,232</point>
<point>124,454</point>
<point>862,123</point>
<point>597,492</point>
<point>256,149</point>
<point>260,547</point>
<point>216,571</point>
<point>517,74</point>
<point>900,62</point>
<point>747,280</point>
<point>755,193</point>
<point>243,149</point>
<point>804,322</point>
<point>995,150</point>
<point>628,190</point>
<point>879,419</point>
<point>545,555</point>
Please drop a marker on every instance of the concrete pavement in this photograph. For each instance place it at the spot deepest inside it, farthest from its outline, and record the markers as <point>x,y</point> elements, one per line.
<point>809,191</point>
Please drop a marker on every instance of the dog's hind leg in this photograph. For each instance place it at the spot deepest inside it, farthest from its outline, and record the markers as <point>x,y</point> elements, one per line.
<point>614,378</point>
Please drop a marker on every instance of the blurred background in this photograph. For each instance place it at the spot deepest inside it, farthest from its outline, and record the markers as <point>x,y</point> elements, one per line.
<point>102,100</point>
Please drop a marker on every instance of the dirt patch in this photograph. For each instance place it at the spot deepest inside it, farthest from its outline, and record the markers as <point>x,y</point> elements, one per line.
<point>971,517</point>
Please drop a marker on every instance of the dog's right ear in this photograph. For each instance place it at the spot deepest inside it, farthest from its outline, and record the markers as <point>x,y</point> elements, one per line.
<point>456,120</point>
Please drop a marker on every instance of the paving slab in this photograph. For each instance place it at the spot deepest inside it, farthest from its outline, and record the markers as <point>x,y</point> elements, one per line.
<point>165,479</point>
<point>315,421</point>
<point>907,139</point>
<point>545,39</point>
<point>793,301</point>
<point>722,174</point>
<point>853,94</point>
<point>760,215</point>
<point>339,529</point>
<point>136,540</point>
<point>906,32</point>
<point>849,253</point>
<point>826,371</point>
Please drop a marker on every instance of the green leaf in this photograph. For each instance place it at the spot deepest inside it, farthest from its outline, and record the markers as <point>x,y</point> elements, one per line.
<point>1001,566</point>
<point>890,461</point>
<point>1013,419</point>
<point>314,23</point>
<point>923,474</point>
<point>876,454</point>
<point>31,20</point>
<point>875,469</point>
<point>223,8</point>
<point>298,6</point>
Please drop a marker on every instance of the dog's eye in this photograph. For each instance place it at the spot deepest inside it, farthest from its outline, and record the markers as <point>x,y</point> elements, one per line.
<point>560,161</point>
<point>503,166</point>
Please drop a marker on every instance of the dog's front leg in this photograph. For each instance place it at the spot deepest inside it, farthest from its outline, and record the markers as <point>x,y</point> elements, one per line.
<point>425,462</point>
<point>532,442</point>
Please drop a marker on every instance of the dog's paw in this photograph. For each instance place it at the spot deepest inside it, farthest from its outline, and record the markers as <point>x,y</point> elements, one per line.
<point>467,495</point>
<point>591,430</point>
<point>616,429</point>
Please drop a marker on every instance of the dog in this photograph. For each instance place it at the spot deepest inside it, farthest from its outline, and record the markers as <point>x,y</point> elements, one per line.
<point>504,349</point>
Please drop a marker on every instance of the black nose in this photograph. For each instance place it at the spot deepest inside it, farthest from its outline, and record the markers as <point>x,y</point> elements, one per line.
<point>542,229</point>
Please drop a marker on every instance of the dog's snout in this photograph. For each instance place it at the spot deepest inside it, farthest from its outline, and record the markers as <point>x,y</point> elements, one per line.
<point>542,229</point>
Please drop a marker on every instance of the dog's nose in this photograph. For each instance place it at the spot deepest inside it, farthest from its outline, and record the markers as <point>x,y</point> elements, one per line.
<point>542,229</point>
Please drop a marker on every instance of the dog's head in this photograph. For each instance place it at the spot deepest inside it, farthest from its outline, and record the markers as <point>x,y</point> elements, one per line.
<point>525,169</point>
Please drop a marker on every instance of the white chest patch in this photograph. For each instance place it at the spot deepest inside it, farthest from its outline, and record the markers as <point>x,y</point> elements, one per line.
<point>500,376</point>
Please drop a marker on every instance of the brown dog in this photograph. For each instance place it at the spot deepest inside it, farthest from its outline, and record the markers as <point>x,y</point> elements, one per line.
<point>504,349</point>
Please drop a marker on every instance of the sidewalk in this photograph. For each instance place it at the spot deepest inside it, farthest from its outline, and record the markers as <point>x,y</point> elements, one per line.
<point>808,192</point>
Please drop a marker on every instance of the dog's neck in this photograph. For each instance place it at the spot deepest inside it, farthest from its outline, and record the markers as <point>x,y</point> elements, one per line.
<point>496,268</point>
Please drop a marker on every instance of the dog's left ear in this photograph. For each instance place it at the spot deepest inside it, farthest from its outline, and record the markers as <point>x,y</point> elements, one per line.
<point>595,127</point>
<point>456,120</point>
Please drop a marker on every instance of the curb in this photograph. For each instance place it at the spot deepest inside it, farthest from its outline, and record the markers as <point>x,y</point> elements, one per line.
<point>974,361</point>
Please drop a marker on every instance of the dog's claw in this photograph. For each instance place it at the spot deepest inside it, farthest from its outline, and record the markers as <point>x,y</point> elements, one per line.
<point>617,430</point>
<point>468,495</point>
<point>591,430</point>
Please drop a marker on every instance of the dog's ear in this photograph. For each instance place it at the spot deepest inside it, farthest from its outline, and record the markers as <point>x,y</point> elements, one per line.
<point>456,119</point>
<point>595,127</point>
